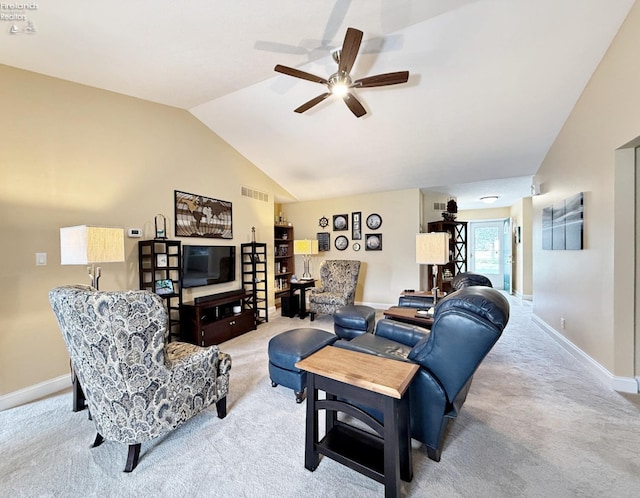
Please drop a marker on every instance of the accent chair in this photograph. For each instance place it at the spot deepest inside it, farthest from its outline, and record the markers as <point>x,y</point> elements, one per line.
<point>136,384</point>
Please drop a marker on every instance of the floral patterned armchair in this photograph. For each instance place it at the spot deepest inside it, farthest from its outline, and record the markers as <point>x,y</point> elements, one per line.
<point>338,280</point>
<point>137,385</point>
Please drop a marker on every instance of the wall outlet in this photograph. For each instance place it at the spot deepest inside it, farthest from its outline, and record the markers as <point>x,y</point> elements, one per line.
<point>562,323</point>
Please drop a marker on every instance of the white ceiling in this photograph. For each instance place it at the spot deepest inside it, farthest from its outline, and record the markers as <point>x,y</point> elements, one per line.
<point>491,81</point>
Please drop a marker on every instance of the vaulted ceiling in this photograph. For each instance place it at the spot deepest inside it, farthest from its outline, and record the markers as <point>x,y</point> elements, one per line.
<point>491,81</point>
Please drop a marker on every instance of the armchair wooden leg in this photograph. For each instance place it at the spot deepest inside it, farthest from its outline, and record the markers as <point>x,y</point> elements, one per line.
<point>221,407</point>
<point>132,457</point>
<point>98,441</point>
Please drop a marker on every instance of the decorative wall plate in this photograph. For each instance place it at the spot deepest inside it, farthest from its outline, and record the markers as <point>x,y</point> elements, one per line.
<point>341,243</point>
<point>323,222</point>
<point>374,242</point>
<point>356,246</point>
<point>374,221</point>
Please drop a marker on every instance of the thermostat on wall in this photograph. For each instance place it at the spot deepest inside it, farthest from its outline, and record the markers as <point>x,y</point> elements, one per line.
<point>135,232</point>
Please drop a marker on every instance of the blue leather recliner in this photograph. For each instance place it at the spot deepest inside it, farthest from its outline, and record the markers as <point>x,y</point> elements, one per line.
<point>467,323</point>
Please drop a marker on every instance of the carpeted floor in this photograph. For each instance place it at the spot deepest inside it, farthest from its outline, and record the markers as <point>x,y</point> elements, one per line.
<point>535,424</point>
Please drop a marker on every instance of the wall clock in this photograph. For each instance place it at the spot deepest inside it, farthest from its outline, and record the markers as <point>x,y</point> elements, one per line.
<point>374,221</point>
<point>341,243</point>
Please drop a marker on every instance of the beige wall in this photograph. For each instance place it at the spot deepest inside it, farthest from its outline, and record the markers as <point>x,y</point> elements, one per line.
<point>579,285</point>
<point>75,155</point>
<point>384,274</point>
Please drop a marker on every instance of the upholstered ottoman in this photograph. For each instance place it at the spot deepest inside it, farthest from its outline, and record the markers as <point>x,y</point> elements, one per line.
<point>287,348</point>
<point>354,320</point>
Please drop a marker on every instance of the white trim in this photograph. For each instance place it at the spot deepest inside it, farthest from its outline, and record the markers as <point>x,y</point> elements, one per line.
<point>523,297</point>
<point>621,384</point>
<point>34,392</point>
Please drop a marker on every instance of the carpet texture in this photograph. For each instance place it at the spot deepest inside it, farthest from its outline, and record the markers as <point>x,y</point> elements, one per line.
<point>535,424</point>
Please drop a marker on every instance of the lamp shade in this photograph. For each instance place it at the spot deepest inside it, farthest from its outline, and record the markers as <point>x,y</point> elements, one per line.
<point>432,248</point>
<point>81,245</point>
<point>305,247</point>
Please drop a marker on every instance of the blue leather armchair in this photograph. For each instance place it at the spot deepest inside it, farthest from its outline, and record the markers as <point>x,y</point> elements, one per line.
<point>466,325</point>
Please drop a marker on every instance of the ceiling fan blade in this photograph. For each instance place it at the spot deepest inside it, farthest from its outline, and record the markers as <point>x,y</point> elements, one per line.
<point>354,104</point>
<point>312,102</point>
<point>349,51</point>
<point>382,80</point>
<point>296,73</point>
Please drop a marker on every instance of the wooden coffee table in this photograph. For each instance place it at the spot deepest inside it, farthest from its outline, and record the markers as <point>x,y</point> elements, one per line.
<point>363,379</point>
<point>408,315</point>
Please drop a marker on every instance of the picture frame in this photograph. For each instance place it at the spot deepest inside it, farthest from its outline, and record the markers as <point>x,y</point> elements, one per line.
<point>162,260</point>
<point>200,216</point>
<point>164,287</point>
<point>324,241</point>
<point>356,228</point>
<point>374,221</point>
<point>341,243</point>
<point>340,222</point>
<point>373,242</point>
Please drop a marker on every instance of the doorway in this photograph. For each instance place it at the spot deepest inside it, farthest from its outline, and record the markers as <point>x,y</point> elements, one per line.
<point>490,251</point>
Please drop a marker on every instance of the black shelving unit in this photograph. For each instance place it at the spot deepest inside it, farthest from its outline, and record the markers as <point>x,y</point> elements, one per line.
<point>457,251</point>
<point>160,271</point>
<point>254,279</point>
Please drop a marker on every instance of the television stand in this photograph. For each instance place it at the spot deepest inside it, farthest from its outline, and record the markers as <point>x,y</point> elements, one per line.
<point>212,321</point>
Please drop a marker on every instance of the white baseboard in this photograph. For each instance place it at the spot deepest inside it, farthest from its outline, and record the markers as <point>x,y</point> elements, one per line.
<point>621,384</point>
<point>523,297</point>
<point>32,393</point>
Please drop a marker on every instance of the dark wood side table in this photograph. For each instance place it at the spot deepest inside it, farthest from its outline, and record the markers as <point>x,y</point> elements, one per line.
<point>301,285</point>
<point>379,383</point>
<point>408,315</point>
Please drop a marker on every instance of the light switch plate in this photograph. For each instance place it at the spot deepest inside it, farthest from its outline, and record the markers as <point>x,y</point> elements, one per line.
<point>41,259</point>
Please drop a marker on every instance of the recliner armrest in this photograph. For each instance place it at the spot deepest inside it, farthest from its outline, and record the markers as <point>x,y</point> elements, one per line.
<point>400,332</point>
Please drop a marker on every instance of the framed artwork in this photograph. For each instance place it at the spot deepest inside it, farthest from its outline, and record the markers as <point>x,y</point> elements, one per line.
<point>373,242</point>
<point>340,222</point>
<point>200,216</point>
<point>161,260</point>
<point>563,224</point>
<point>324,241</point>
<point>341,243</point>
<point>164,287</point>
<point>374,221</point>
<point>356,229</point>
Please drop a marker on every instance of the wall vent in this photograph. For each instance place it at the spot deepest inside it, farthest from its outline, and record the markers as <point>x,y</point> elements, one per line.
<point>255,194</point>
<point>439,206</point>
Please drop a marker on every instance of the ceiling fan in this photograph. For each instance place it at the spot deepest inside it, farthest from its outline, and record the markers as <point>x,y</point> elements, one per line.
<point>340,83</point>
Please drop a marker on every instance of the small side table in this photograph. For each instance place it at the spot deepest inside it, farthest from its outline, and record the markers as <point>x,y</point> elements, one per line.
<point>379,383</point>
<point>301,285</point>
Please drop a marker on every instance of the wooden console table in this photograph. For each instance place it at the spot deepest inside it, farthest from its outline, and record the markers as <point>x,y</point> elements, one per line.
<point>379,383</point>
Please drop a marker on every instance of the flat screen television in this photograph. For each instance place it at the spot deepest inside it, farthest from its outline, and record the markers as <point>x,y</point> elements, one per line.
<point>208,265</point>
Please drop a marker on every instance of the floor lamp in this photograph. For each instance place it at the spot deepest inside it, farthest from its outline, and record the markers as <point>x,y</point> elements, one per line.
<point>306,248</point>
<point>433,249</point>
<point>88,245</point>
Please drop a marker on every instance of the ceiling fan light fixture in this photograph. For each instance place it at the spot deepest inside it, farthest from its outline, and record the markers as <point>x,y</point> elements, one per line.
<point>340,89</point>
<point>489,199</point>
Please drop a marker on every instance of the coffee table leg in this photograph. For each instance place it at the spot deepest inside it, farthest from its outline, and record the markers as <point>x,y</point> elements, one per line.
<point>311,455</point>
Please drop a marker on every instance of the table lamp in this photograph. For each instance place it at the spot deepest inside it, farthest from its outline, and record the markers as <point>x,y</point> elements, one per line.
<point>88,245</point>
<point>305,248</point>
<point>433,249</point>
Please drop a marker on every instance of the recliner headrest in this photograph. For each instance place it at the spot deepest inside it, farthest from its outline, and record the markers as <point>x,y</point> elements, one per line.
<point>483,301</point>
